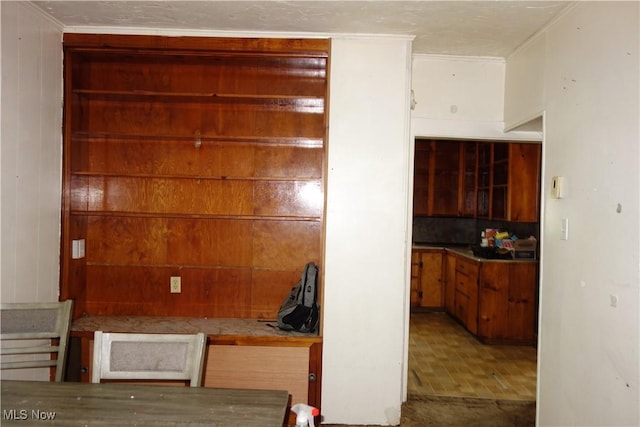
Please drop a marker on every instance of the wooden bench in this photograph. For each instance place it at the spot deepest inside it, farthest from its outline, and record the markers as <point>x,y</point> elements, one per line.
<point>242,353</point>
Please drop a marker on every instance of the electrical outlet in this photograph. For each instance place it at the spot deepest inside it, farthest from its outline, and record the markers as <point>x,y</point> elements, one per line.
<point>176,284</point>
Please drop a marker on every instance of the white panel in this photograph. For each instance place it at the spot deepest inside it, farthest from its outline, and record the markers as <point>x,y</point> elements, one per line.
<point>31,147</point>
<point>366,232</point>
<point>28,156</point>
<point>50,181</point>
<point>8,136</point>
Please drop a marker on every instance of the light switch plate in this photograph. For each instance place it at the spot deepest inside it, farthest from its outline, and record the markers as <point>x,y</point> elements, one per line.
<point>564,229</point>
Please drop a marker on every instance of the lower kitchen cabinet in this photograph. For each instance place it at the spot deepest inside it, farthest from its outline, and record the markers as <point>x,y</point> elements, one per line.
<point>426,278</point>
<point>508,302</point>
<point>494,300</point>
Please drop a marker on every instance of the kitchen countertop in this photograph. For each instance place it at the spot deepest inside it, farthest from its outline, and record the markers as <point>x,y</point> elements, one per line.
<point>465,250</point>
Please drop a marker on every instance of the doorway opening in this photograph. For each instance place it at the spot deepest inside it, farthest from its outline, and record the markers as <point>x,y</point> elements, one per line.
<point>468,191</point>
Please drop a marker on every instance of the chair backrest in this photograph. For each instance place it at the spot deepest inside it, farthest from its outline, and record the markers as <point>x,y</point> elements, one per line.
<point>24,326</point>
<point>131,356</point>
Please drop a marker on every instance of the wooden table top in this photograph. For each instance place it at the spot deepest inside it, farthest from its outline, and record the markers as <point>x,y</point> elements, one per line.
<point>27,403</point>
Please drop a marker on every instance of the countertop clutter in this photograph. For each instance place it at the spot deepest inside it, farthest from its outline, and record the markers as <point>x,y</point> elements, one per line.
<point>494,245</point>
<point>475,252</point>
<point>494,242</point>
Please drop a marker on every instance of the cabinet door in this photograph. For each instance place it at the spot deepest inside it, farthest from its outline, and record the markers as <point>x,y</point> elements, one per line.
<point>469,172</point>
<point>500,168</point>
<point>446,178</point>
<point>522,301</point>
<point>484,180</point>
<point>431,280</point>
<point>421,172</point>
<point>493,321</point>
<point>460,310</point>
<point>508,301</point>
<point>449,275</point>
<point>524,182</point>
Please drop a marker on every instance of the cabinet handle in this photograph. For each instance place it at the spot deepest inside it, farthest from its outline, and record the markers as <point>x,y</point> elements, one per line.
<point>312,377</point>
<point>488,285</point>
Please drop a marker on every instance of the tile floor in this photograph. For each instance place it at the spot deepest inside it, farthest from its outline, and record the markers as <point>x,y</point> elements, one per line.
<point>446,360</point>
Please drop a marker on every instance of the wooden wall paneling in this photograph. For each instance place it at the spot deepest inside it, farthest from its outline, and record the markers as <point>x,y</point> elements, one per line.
<point>196,157</point>
<point>286,245</point>
<point>214,292</point>
<point>315,375</point>
<point>288,198</point>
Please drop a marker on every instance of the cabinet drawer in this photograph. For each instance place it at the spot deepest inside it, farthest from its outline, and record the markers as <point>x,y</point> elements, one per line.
<point>468,267</point>
<point>461,307</point>
<point>467,285</point>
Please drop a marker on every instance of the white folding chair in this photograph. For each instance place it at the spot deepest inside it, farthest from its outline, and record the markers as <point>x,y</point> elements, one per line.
<point>24,326</point>
<point>134,356</point>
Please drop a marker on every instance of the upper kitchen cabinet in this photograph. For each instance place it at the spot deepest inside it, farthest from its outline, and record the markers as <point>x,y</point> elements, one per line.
<point>444,178</point>
<point>192,157</point>
<point>509,181</point>
<point>490,180</point>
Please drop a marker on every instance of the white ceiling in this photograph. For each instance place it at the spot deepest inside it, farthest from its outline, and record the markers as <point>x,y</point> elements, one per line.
<point>467,28</point>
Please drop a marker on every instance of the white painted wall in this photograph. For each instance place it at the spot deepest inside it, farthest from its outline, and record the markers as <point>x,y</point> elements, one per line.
<point>524,83</point>
<point>460,97</point>
<point>589,351</point>
<point>367,232</point>
<point>31,159</point>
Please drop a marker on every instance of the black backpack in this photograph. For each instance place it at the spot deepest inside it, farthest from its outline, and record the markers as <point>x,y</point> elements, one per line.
<point>300,311</point>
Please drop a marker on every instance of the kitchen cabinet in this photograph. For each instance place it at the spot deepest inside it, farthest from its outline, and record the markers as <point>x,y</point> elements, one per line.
<point>508,302</point>
<point>426,278</point>
<point>469,175</point>
<point>492,180</point>
<point>195,157</point>
<point>508,181</point>
<point>444,178</point>
<point>421,177</point>
<point>494,300</point>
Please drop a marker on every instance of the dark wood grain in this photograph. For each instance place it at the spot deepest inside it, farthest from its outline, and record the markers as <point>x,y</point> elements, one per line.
<point>194,157</point>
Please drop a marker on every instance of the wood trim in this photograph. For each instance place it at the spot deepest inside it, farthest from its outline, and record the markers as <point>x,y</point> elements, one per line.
<point>171,45</point>
<point>315,367</point>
